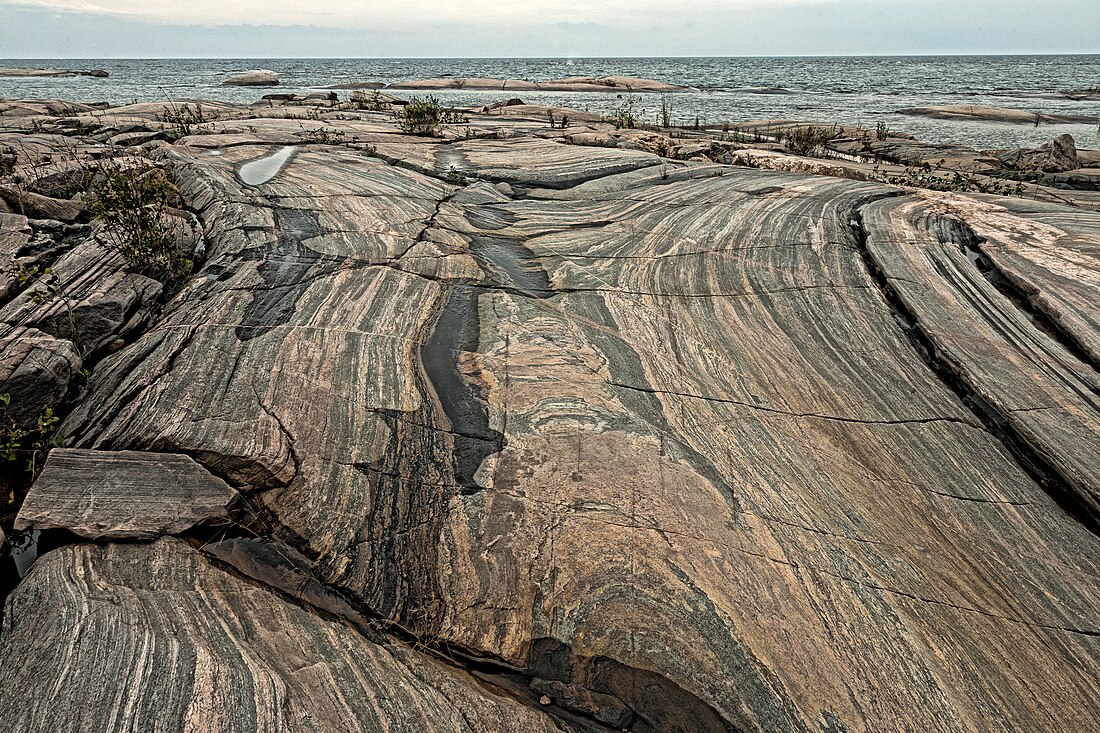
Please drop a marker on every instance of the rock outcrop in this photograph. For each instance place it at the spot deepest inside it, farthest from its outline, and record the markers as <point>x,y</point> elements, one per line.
<point>51,73</point>
<point>974,113</point>
<point>1057,156</point>
<point>570,84</point>
<point>512,434</point>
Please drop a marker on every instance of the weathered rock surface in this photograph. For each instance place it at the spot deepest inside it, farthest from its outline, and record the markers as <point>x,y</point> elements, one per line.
<point>256,78</point>
<point>105,495</point>
<point>598,440</point>
<point>37,206</point>
<point>36,370</point>
<point>181,645</point>
<point>1057,156</point>
<point>1083,179</point>
<point>1031,384</point>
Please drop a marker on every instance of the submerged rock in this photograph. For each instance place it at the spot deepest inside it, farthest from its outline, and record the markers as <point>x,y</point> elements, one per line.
<point>51,73</point>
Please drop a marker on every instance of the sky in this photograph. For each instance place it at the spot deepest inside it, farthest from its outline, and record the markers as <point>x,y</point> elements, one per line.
<point>46,29</point>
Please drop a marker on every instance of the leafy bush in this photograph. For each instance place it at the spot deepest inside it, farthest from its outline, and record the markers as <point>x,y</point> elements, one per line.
<point>807,140</point>
<point>133,205</point>
<point>427,116</point>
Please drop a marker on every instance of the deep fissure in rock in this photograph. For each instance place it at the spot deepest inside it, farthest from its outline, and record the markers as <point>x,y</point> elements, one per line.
<point>1028,457</point>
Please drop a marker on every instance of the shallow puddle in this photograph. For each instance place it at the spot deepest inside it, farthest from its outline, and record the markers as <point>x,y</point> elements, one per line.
<point>262,170</point>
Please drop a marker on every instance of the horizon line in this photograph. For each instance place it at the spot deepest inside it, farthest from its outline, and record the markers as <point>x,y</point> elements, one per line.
<point>554,58</point>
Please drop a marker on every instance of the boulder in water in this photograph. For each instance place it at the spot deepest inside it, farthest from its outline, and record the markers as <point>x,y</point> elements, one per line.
<point>255,78</point>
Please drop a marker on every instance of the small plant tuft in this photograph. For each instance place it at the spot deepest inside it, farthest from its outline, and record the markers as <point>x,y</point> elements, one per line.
<point>623,115</point>
<point>323,136</point>
<point>8,160</point>
<point>180,120</point>
<point>666,112</point>
<point>374,102</point>
<point>22,442</point>
<point>455,177</point>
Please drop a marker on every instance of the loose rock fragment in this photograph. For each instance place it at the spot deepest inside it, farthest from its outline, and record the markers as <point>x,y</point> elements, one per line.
<point>123,495</point>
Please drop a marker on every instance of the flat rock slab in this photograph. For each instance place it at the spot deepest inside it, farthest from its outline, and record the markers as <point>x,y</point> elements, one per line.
<point>972,113</point>
<point>123,495</point>
<point>570,84</point>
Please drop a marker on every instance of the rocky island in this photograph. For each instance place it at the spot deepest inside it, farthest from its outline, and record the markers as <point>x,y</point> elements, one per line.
<point>50,73</point>
<point>538,422</point>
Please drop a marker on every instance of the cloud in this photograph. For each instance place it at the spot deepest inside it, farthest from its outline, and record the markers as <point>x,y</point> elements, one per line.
<point>355,13</point>
<point>74,6</point>
<point>40,29</point>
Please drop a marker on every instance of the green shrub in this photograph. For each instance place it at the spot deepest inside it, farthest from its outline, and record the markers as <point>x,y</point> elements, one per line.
<point>427,116</point>
<point>807,140</point>
<point>133,206</point>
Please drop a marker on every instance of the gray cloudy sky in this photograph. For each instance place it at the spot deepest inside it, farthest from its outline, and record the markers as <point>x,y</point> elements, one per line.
<point>424,28</point>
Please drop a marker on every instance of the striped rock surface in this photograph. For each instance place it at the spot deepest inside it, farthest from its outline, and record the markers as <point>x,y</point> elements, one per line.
<point>620,444</point>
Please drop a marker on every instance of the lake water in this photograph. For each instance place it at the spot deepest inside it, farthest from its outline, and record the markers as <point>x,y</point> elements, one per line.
<point>853,90</point>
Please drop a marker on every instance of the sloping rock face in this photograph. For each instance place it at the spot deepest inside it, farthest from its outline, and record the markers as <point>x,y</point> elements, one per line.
<point>169,627</point>
<point>599,441</point>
